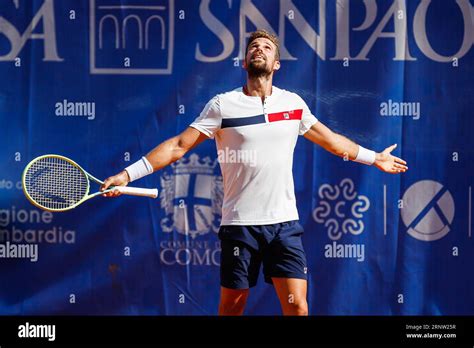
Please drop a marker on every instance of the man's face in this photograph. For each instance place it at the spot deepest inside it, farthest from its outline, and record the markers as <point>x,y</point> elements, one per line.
<point>260,59</point>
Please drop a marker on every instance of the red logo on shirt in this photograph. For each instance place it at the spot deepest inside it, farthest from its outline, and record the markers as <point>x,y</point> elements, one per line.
<point>286,115</point>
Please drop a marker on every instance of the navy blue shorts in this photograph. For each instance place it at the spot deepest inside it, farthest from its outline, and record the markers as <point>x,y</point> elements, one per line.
<point>245,248</point>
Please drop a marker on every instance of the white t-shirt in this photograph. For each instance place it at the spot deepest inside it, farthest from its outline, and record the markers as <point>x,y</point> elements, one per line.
<point>255,143</point>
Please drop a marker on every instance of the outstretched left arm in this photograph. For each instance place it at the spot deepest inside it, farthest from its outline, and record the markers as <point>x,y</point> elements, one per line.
<point>341,146</point>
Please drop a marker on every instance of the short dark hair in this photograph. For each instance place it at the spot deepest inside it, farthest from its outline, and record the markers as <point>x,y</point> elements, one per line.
<point>265,34</point>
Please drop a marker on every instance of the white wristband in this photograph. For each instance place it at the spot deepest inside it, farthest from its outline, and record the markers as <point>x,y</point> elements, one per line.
<point>365,156</point>
<point>139,169</point>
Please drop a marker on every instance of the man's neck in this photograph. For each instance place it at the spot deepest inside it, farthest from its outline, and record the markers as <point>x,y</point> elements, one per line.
<point>259,87</point>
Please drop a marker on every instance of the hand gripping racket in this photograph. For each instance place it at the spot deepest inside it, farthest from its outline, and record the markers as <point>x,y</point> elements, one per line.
<point>56,183</point>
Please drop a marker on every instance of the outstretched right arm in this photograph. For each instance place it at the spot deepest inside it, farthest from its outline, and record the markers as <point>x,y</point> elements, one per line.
<point>174,148</point>
<point>164,154</point>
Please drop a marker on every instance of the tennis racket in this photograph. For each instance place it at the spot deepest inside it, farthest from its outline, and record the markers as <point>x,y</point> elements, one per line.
<point>57,183</point>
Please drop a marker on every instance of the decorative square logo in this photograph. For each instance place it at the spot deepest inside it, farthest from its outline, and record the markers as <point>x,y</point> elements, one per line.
<point>131,39</point>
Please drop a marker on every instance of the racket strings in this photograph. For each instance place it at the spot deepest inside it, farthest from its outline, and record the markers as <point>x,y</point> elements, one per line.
<point>55,183</point>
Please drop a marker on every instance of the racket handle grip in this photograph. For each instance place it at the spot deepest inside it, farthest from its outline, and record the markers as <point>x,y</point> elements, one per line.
<point>137,191</point>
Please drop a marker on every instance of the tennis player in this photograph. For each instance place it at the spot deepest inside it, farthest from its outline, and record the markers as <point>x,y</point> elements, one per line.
<point>259,223</point>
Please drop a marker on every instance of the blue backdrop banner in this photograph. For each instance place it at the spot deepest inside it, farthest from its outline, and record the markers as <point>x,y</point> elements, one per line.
<point>104,81</point>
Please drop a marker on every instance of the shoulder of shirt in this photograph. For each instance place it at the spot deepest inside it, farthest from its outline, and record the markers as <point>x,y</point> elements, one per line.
<point>235,93</point>
<point>229,94</point>
<point>288,94</point>
<point>238,91</point>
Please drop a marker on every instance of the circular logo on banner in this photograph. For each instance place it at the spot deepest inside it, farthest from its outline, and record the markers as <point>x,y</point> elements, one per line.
<point>346,218</point>
<point>428,210</point>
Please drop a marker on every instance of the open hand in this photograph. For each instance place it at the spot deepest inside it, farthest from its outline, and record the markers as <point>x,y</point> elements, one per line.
<point>389,163</point>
